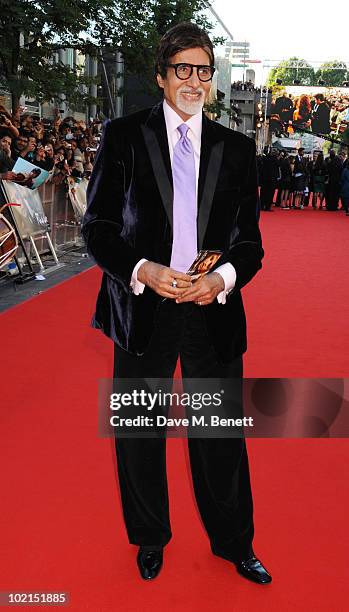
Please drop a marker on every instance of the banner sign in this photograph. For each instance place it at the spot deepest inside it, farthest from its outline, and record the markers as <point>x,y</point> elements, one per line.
<point>77,193</point>
<point>30,216</point>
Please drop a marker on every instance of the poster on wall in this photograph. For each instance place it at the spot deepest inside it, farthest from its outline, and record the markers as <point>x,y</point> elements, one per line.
<point>77,194</point>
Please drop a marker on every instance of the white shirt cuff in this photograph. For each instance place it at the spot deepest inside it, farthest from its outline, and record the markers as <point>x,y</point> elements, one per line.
<point>136,286</point>
<point>228,273</point>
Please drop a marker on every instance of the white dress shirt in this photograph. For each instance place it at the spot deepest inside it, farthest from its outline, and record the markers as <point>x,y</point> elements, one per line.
<point>227,270</point>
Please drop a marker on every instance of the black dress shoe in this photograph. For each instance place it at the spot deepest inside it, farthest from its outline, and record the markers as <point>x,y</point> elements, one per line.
<point>254,570</point>
<point>149,563</point>
<point>251,568</point>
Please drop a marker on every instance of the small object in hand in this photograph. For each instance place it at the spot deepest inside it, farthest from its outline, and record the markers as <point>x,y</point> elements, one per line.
<point>174,283</point>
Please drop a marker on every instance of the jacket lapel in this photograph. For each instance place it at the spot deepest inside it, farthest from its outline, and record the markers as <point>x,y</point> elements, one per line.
<point>210,162</point>
<point>155,137</point>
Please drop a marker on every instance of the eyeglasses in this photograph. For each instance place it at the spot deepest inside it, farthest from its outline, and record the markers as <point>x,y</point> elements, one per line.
<point>184,71</point>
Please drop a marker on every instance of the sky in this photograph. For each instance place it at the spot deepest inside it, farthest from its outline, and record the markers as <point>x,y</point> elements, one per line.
<point>279,29</point>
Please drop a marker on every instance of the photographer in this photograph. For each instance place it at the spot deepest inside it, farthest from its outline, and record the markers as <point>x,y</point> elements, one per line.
<point>49,156</point>
<point>41,159</point>
<point>32,146</point>
<point>61,167</point>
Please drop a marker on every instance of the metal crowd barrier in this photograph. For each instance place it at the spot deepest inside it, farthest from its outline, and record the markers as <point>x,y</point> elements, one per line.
<point>64,228</point>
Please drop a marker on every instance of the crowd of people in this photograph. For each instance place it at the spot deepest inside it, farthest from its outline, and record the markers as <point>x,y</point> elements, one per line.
<point>67,147</point>
<point>317,114</point>
<point>243,86</point>
<point>300,180</point>
<point>63,147</point>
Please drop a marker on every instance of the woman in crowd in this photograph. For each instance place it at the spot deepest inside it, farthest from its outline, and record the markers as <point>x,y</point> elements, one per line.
<point>285,181</point>
<point>319,177</point>
<point>302,113</point>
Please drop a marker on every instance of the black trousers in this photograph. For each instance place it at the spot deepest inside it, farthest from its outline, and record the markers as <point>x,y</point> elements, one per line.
<point>219,466</point>
<point>267,195</point>
<point>332,196</point>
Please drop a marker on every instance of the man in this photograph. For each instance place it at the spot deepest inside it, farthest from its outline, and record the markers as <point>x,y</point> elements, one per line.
<point>320,121</point>
<point>23,147</point>
<point>6,161</point>
<point>166,183</point>
<point>269,176</point>
<point>284,108</point>
<point>334,169</point>
<point>27,125</point>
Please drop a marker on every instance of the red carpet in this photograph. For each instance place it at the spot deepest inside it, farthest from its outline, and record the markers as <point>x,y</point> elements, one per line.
<point>61,521</point>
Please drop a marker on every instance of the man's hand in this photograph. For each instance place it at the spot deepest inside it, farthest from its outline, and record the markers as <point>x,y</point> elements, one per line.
<point>31,146</point>
<point>39,131</point>
<point>6,148</point>
<point>160,278</point>
<point>8,176</point>
<point>204,290</point>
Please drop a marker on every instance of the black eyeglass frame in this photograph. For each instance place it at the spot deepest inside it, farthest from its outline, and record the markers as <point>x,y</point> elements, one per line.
<point>197,66</point>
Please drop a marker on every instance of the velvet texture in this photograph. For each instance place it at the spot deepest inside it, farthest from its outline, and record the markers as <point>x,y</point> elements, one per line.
<point>129,216</point>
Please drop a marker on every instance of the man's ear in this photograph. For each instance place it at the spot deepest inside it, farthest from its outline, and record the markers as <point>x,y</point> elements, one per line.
<point>160,80</point>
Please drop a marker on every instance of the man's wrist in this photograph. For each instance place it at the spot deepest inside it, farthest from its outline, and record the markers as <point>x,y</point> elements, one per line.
<point>136,283</point>
<point>140,272</point>
<point>228,274</point>
<point>220,281</point>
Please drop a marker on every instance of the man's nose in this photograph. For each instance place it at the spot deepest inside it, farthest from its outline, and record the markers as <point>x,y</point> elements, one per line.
<point>194,80</point>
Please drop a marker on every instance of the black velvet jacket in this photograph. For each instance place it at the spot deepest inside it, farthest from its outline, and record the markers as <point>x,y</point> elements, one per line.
<point>129,216</point>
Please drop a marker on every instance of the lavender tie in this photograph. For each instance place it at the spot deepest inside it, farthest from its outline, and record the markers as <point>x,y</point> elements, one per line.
<point>184,246</point>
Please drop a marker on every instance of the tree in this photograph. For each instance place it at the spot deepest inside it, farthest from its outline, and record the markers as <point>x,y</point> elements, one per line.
<point>332,73</point>
<point>291,70</point>
<point>32,32</point>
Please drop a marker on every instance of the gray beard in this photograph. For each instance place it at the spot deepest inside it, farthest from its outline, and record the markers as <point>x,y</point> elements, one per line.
<point>189,108</point>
